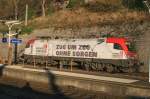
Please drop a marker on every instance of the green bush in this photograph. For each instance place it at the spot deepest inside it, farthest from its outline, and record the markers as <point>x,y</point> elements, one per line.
<point>75,3</point>
<point>50,10</point>
<point>31,13</point>
<point>3,29</point>
<point>27,30</point>
<point>134,4</point>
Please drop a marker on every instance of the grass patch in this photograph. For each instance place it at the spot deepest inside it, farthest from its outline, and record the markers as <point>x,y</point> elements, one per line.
<point>84,18</point>
<point>101,7</point>
<point>75,3</point>
<point>27,30</point>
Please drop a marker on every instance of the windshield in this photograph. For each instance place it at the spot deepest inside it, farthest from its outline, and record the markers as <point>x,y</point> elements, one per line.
<point>117,46</point>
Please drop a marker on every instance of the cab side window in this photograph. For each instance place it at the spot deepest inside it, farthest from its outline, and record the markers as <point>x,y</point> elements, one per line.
<point>99,41</point>
<point>117,46</point>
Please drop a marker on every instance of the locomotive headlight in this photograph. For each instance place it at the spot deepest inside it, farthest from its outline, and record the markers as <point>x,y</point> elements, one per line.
<point>131,55</point>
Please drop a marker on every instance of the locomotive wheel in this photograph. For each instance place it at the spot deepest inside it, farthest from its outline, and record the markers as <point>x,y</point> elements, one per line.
<point>98,67</point>
<point>94,66</point>
<point>29,61</point>
<point>103,67</point>
<point>87,66</point>
<point>131,69</point>
<point>110,68</point>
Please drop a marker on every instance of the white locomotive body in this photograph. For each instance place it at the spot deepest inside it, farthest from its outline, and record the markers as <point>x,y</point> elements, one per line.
<point>98,50</point>
<point>77,48</point>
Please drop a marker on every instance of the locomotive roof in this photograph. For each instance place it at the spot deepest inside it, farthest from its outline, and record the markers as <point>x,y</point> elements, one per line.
<point>62,39</point>
<point>110,40</point>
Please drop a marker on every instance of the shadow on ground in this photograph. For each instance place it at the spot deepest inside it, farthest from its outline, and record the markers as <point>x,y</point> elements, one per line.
<point>55,88</point>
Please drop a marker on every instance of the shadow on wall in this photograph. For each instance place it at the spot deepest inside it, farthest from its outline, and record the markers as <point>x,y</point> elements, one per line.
<point>28,93</point>
<point>58,94</point>
<point>135,97</point>
<point>2,66</point>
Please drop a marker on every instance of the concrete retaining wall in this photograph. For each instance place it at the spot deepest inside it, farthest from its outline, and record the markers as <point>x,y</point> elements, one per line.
<point>47,77</point>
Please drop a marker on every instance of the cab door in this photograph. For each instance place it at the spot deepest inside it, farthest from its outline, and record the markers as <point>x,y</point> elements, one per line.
<point>50,48</point>
<point>118,52</point>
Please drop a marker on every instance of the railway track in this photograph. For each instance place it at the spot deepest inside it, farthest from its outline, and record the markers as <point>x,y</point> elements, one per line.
<point>138,76</point>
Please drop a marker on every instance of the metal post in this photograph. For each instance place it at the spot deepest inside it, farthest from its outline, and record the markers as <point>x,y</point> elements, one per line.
<point>10,25</point>
<point>147,5</point>
<point>71,64</point>
<point>23,62</point>
<point>46,61</point>
<point>9,55</point>
<point>26,15</point>
<point>9,46</point>
<point>15,51</point>
<point>34,61</point>
<point>149,68</point>
<point>60,65</point>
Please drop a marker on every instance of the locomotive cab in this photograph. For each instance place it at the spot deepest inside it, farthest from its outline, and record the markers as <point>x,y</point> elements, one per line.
<point>131,50</point>
<point>28,48</point>
<point>122,48</point>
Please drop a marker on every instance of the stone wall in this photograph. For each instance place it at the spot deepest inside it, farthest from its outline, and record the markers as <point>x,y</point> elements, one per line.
<point>140,33</point>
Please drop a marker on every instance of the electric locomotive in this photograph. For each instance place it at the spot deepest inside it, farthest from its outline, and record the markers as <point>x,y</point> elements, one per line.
<point>99,54</point>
